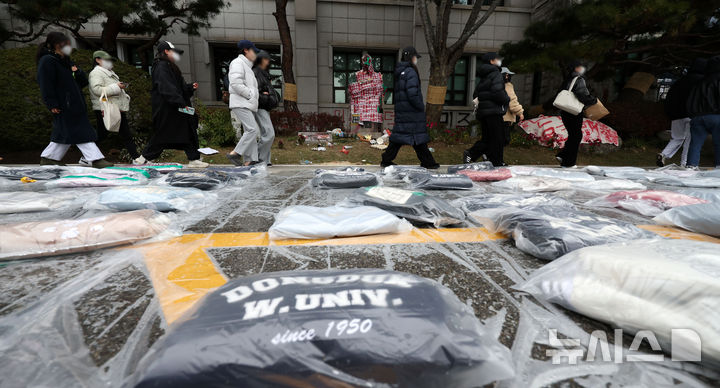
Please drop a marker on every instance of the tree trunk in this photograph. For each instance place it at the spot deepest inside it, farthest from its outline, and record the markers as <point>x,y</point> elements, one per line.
<point>287,54</point>
<point>110,32</point>
<point>440,70</point>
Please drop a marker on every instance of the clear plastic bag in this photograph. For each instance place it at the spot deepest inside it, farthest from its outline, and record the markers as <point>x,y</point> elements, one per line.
<point>38,173</point>
<point>498,174</point>
<point>480,166</point>
<point>702,218</point>
<point>655,285</point>
<point>565,174</point>
<point>400,172</point>
<point>533,184</point>
<point>609,184</point>
<point>92,177</point>
<point>240,173</point>
<point>604,170</point>
<point>334,179</point>
<point>200,179</point>
<point>162,168</point>
<point>311,222</point>
<point>331,328</point>
<point>490,201</point>
<point>548,232</point>
<point>700,182</point>
<point>36,202</point>
<point>645,202</point>
<point>411,205</point>
<point>47,238</point>
<point>158,198</point>
<point>439,182</point>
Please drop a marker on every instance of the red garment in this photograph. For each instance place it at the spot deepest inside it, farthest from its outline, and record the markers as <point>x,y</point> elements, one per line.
<point>366,94</point>
<point>499,174</point>
<point>663,199</point>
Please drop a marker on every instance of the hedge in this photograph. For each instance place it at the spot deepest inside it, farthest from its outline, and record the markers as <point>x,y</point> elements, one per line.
<point>25,122</point>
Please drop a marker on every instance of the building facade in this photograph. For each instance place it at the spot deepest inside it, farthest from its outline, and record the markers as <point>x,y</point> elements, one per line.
<point>329,37</point>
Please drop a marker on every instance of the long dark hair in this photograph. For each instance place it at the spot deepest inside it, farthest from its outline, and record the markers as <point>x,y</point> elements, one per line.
<point>51,40</point>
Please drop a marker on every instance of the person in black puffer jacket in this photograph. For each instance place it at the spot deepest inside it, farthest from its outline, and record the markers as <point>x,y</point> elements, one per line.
<point>573,123</point>
<point>703,107</point>
<point>676,109</point>
<point>410,128</point>
<point>268,100</point>
<point>492,104</point>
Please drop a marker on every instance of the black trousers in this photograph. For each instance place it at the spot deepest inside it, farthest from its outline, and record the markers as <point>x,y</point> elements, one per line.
<point>421,150</point>
<point>492,141</point>
<point>573,124</point>
<point>153,151</point>
<point>124,132</point>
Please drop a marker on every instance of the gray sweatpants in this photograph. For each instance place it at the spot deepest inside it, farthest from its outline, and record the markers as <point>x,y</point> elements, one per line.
<point>246,128</point>
<point>267,134</point>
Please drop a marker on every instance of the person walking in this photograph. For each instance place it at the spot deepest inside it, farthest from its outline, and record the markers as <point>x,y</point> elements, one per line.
<point>103,80</point>
<point>515,110</point>
<point>244,97</point>
<point>410,128</point>
<point>704,108</point>
<point>268,99</point>
<point>492,105</point>
<point>61,83</point>
<point>174,120</point>
<point>575,82</point>
<point>676,109</point>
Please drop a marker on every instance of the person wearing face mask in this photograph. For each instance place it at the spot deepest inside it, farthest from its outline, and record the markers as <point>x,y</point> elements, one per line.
<point>104,79</point>
<point>268,99</point>
<point>244,97</point>
<point>174,120</point>
<point>410,128</point>
<point>61,83</point>
<point>573,123</point>
<point>492,104</point>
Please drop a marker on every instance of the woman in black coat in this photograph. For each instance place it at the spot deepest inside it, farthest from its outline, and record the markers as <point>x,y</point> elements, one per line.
<point>410,125</point>
<point>61,84</point>
<point>573,123</point>
<point>174,121</point>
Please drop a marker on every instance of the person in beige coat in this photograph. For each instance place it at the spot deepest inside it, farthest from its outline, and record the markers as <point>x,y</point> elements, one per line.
<point>515,110</point>
<point>102,77</point>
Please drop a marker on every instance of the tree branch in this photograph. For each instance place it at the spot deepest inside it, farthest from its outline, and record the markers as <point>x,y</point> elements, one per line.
<point>471,25</point>
<point>427,26</point>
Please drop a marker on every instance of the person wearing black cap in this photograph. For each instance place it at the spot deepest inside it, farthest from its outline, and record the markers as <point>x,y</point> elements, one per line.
<point>174,121</point>
<point>410,127</point>
<point>492,104</point>
<point>243,104</point>
<point>268,99</point>
<point>573,123</point>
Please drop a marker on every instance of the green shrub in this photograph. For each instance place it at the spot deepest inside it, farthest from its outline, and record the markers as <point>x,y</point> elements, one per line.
<point>215,129</point>
<point>26,122</point>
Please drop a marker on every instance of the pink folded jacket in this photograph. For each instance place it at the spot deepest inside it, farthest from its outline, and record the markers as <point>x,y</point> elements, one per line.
<point>498,174</point>
<point>668,199</point>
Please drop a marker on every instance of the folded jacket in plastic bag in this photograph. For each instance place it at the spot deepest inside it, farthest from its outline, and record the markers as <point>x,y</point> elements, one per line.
<point>498,174</point>
<point>162,168</point>
<point>703,218</point>
<point>604,170</point>
<point>687,181</point>
<point>645,202</point>
<point>548,232</point>
<point>440,182</point>
<point>609,184</point>
<point>40,173</point>
<point>480,166</point>
<point>490,201</point>
<point>33,202</point>
<point>401,172</point>
<point>709,195</point>
<point>155,197</point>
<point>566,174</point>
<point>203,180</point>
<point>46,238</point>
<point>98,178</point>
<point>310,222</point>
<point>147,172</point>
<point>239,172</point>
<point>333,179</point>
<point>411,205</point>
<point>533,184</point>
<point>332,328</point>
<point>658,285</point>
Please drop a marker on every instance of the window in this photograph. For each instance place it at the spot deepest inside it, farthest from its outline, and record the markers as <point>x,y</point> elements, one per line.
<point>456,94</point>
<point>223,55</point>
<point>663,87</point>
<point>471,2</point>
<point>345,64</point>
<point>135,58</point>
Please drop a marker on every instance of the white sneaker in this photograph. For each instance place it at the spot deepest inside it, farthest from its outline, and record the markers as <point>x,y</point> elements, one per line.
<point>197,164</point>
<point>84,162</point>
<point>693,168</point>
<point>140,160</point>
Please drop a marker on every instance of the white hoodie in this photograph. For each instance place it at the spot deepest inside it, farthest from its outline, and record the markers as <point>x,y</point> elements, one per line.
<point>243,85</point>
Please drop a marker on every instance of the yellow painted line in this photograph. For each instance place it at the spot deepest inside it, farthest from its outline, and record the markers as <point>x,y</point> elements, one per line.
<point>679,234</point>
<point>182,272</point>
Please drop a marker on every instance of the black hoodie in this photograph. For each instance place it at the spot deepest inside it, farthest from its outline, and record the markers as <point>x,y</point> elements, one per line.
<point>677,97</point>
<point>490,91</point>
<point>705,96</point>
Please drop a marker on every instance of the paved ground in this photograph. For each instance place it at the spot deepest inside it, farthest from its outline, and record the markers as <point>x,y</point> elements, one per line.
<point>85,320</point>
